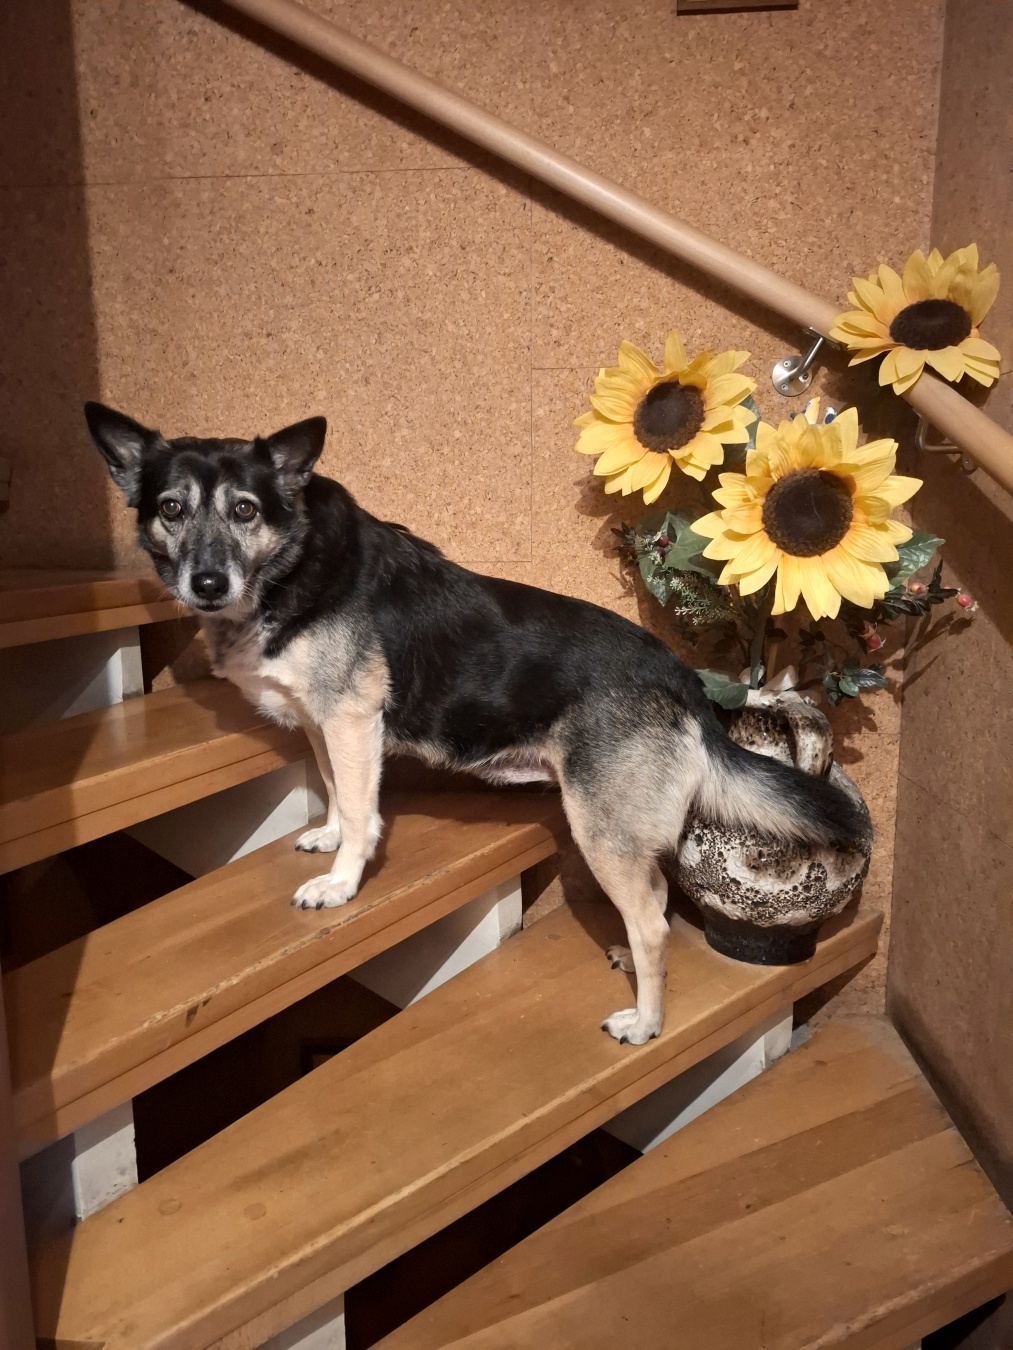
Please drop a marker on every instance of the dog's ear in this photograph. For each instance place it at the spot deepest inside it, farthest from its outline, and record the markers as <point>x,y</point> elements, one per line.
<point>295,450</point>
<point>122,442</point>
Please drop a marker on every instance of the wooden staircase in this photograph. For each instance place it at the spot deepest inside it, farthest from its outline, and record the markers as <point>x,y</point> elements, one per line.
<point>455,1097</point>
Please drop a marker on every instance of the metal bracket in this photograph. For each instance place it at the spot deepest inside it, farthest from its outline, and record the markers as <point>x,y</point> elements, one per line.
<point>793,375</point>
<point>922,442</point>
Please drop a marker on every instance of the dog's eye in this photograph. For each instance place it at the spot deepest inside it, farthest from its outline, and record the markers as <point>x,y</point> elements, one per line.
<point>170,508</point>
<point>244,510</point>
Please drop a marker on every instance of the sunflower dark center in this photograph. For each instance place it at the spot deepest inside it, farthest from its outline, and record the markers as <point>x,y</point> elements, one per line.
<point>668,416</point>
<point>928,325</point>
<point>807,512</point>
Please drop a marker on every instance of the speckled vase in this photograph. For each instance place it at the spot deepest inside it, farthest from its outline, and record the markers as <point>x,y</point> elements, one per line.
<point>764,901</point>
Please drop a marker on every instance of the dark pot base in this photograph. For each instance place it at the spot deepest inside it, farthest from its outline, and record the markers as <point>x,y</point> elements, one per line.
<point>759,946</point>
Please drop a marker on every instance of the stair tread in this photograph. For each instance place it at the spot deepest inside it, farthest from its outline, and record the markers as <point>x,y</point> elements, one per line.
<point>39,604</point>
<point>830,1202</point>
<point>161,986</point>
<point>415,1124</point>
<point>64,782</point>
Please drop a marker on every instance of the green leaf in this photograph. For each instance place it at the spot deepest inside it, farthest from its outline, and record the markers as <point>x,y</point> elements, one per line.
<point>870,677</point>
<point>723,690</point>
<point>848,686</point>
<point>684,555</point>
<point>912,556</point>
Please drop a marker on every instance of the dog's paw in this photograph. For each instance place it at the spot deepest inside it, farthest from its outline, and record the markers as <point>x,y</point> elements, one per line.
<point>324,892</point>
<point>628,1028</point>
<point>620,958</point>
<point>322,839</point>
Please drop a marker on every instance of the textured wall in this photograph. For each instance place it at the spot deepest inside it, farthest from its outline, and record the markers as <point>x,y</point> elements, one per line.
<point>950,982</point>
<point>228,241</point>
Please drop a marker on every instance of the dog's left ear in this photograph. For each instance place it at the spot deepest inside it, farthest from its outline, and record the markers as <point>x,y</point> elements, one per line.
<point>295,450</point>
<point>123,443</point>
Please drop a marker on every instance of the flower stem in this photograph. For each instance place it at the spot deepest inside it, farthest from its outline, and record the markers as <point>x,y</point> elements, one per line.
<point>759,634</point>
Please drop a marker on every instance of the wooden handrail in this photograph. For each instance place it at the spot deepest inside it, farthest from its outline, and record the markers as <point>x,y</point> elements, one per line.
<point>967,426</point>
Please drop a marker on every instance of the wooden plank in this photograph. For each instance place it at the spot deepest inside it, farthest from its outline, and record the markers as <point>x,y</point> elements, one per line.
<point>64,782</point>
<point>829,1203</point>
<point>15,1298</point>
<point>441,1106</point>
<point>99,1020</point>
<point>38,605</point>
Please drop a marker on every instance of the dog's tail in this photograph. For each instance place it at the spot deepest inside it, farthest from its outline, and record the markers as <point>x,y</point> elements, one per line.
<point>744,789</point>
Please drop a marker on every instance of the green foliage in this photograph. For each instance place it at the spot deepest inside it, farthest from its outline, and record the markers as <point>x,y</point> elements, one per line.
<point>722,689</point>
<point>913,556</point>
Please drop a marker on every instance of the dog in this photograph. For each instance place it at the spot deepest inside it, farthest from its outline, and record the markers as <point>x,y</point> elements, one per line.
<point>373,641</point>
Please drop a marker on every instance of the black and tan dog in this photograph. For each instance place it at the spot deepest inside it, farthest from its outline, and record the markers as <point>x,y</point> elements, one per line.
<point>368,637</point>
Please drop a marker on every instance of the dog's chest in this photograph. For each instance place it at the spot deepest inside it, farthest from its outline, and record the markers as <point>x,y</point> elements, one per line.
<point>272,683</point>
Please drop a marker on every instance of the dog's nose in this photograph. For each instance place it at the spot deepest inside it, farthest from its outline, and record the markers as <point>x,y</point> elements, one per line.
<point>209,585</point>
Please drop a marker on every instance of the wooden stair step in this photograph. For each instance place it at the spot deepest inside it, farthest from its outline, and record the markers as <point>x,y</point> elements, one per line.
<point>37,605</point>
<point>829,1203</point>
<point>95,1022</point>
<point>63,783</point>
<point>427,1116</point>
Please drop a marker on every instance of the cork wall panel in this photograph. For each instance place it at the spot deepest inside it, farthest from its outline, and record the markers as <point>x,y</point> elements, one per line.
<point>949,978</point>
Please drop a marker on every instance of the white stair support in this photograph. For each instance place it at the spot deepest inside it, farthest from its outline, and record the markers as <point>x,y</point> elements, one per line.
<point>45,681</point>
<point>209,833</point>
<point>76,1176</point>
<point>648,1122</point>
<point>321,1330</point>
<point>423,962</point>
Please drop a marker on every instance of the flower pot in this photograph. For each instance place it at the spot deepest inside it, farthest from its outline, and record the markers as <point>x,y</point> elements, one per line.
<point>764,900</point>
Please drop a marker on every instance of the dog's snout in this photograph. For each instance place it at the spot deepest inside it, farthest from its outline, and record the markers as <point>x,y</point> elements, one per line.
<point>209,585</point>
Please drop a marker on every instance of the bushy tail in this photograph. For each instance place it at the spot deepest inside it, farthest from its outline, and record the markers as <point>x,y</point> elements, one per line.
<point>745,789</point>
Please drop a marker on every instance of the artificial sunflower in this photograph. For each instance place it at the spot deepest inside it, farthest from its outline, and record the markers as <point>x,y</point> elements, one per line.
<point>814,507</point>
<point>929,316</point>
<point>643,420</point>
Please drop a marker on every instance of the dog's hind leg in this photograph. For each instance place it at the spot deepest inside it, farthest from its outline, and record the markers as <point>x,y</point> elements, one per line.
<point>634,884</point>
<point>322,838</point>
<point>621,958</point>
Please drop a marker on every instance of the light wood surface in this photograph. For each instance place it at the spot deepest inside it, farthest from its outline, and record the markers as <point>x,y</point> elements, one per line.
<point>15,1299</point>
<point>37,605</point>
<point>970,428</point>
<point>425,1117</point>
<point>830,1203</point>
<point>100,1019</point>
<point>63,783</point>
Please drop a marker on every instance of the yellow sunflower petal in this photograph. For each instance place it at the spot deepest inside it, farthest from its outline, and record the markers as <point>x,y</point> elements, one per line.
<point>598,436</point>
<point>898,488</point>
<point>869,355</point>
<point>744,519</point>
<point>871,296</point>
<point>587,419</point>
<point>622,454</point>
<point>755,552</point>
<point>724,363</point>
<point>726,546</point>
<point>842,433</point>
<point>617,407</point>
<point>976,346</point>
<point>949,361</point>
<point>675,353</point>
<point>854,580</point>
<point>821,599</point>
<point>868,544</point>
<point>633,361</point>
<point>983,293</point>
<point>727,389</point>
<point>789,585</point>
<point>654,490</point>
<point>646,470</point>
<point>985,373</point>
<point>711,525</point>
<point>893,289</point>
<point>918,278</point>
<point>901,367</point>
<point>619,482</point>
<point>750,584</point>
<point>702,449</point>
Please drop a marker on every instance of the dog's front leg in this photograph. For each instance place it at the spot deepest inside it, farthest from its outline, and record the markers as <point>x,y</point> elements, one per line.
<point>322,838</point>
<point>353,739</point>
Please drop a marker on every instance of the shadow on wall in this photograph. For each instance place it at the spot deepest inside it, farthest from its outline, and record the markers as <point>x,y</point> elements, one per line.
<point>48,345</point>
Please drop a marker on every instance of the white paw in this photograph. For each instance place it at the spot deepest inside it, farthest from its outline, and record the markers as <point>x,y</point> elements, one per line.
<point>628,1028</point>
<point>322,839</point>
<point>324,892</point>
<point>621,958</point>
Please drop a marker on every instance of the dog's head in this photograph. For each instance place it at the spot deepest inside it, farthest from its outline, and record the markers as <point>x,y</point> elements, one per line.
<point>217,516</point>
